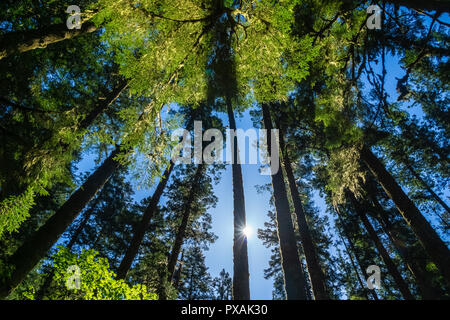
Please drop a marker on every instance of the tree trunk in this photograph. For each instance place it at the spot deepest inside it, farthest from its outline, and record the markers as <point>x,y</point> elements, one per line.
<point>241,286</point>
<point>316,275</point>
<point>184,222</point>
<point>429,239</point>
<point>102,105</point>
<point>36,247</point>
<point>80,229</point>
<point>355,269</point>
<point>23,41</point>
<point>428,188</point>
<point>142,227</point>
<point>177,275</point>
<point>417,269</point>
<point>401,284</point>
<point>358,260</point>
<point>294,279</point>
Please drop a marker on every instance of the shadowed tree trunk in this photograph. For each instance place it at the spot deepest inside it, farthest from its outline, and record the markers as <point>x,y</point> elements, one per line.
<point>355,269</point>
<point>142,227</point>
<point>177,275</point>
<point>23,41</point>
<point>99,108</point>
<point>428,188</point>
<point>184,222</point>
<point>102,105</point>
<point>433,244</point>
<point>417,269</point>
<point>400,282</point>
<point>316,275</point>
<point>294,279</point>
<point>35,248</point>
<point>358,260</point>
<point>241,286</point>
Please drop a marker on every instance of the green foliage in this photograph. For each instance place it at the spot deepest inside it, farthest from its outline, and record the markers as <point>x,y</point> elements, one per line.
<point>196,280</point>
<point>15,210</point>
<point>345,174</point>
<point>97,281</point>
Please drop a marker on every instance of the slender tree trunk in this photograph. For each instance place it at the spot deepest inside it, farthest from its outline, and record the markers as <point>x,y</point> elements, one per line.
<point>241,285</point>
<point>428,188</point>
<point>316,275</point>
<point>355,269</point>
<point>294,278</point>
<point>358,260</point>
<point>173,258</point>
<point>177,275</point>
<point>36,247</point>
<point>401,284</point>
<point>191,284</point>
<point>417,269</point>
<point>102,105</point>
<point>417,264</point>
<point>23,41</point>
<point>429,239</point>
<point>142,227</point>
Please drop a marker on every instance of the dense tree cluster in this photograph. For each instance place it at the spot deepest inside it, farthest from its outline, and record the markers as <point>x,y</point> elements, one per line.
<point>363,121</point>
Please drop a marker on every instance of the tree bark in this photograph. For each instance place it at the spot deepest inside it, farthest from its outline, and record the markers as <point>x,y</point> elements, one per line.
<point>36,247</point>
<point>355,269</point>
<point>142,227</point>
<point>400,282</point>
<point>184,222</point>
<point>241,285</point>
<point>23,41</point>
<point>433,244</point>
<point>417,269</point>
<point>102,105</point>
<point>316,275</point>
<point>177,275</point>
<point>358,260</point>
<point>428,188</point>
<point>294,279</point>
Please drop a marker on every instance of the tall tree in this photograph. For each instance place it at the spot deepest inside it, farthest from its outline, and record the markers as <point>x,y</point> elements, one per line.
<point>314,269</point>
<point>142,227</point>
<point>196,278</point>
<point>416,265</point>
<point>222,286</point>
<point>194,183</point>
<point>430,240</point>
<point>401,284</point>
<point>34,249</point>
<point>294,278</point>
<point>223,84</point>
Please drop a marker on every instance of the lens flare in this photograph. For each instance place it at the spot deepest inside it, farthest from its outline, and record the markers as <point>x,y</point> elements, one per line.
<point>247,231</point>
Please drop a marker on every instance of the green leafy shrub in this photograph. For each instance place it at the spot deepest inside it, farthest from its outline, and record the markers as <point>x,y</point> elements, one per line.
<point>97,282</point>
